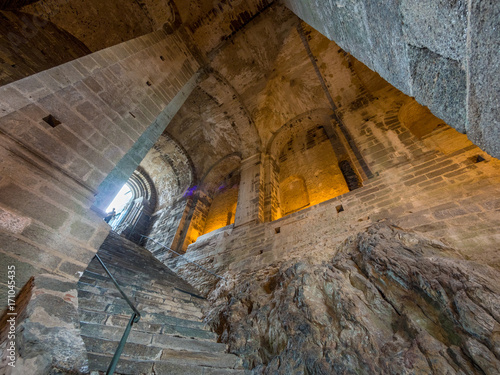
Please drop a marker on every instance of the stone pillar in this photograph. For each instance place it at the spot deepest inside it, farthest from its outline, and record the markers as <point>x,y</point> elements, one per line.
<point>250,208</point>
<point>195,221</point>
<point>272,209</point>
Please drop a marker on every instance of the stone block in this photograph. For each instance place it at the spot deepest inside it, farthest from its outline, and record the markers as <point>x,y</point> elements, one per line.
<point>70,72</point>
<point>29,252</point>
<point>11,99</point>
<point>88,110</point>
<point>483,125</point>
<point>438,26</point>
<point>81,230</point>
<point>12,222</point>
<point>79,168</point>
<point>70,96</point>
<point>23,273</point>
<point>415,180</point>
<point>442,171</point>
<point>58,74</point>
<point>12,195</point>
<point>71,269</point>
<point>92,84</point>
<point>440,83</point>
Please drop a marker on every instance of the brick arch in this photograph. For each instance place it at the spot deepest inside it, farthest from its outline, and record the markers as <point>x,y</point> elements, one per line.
<point>310,118</point>
<point>325,165</point>
<point>219,172</point>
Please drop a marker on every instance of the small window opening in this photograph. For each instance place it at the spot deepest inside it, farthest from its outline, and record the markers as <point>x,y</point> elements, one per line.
<point>350,177</point>
<point>339,208</point>
<point>52,121</point>
<point>148,83</point>
<point>162,58</point>
<point>478,159</point>
<point>277,230</point>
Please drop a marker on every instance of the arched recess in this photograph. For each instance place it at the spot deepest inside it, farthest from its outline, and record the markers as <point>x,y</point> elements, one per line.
<point>308,146</point>
<point>293,194</point>
<point>215,198</point>
<point>136,216</point>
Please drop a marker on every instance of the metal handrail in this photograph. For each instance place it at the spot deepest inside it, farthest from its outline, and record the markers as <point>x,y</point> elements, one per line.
<point>134,318</point>
<point>175,252</point>
<point>119,289</point>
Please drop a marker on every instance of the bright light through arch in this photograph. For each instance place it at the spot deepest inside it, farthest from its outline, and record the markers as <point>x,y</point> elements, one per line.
<point>122,198</point>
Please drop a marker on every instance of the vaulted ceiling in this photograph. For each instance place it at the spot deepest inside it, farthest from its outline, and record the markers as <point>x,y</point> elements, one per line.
<point>263,67</point>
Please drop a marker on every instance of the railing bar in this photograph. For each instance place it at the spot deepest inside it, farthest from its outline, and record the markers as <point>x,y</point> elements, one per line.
<point>121,345</point>
<point>173,251</point>
<point>137,313</point>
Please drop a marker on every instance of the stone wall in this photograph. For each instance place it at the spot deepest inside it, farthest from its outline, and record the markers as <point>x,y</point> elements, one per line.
<point>102,116</point>
<point>49,181</point>
<point>435,185</point>
<point>62,132</point>
<point>444,54</point>
<point>166,227</point>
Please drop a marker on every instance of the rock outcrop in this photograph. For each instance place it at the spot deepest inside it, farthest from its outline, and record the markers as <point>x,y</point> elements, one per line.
<point>389,302</point>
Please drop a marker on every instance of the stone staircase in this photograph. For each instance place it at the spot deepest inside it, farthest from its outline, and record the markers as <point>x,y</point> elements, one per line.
<point>170,338</point>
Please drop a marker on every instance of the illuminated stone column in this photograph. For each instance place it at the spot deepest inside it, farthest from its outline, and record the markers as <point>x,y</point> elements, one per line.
<point>272,208</point>
<point>250,206</point>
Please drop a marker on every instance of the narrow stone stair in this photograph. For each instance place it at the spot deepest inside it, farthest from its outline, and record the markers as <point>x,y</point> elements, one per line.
<point>170,338</point>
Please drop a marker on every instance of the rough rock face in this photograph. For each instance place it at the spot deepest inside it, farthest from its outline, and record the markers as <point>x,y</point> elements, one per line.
<point>389,302</point>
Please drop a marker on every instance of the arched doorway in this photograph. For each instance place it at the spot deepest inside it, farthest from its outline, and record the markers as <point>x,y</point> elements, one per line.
<point>134,218</point>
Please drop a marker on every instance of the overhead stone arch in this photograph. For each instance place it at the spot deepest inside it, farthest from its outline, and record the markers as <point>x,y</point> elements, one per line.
<point>142,186</point>
<point>224,167</point>
<point>219,88</point>
<point>171,169</point>
<point>280,137</point>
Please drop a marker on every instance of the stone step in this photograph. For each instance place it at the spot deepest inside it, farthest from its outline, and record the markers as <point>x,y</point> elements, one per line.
<point>140,352</point>
<point>169,294</point>
<point>170,338</point>
<point>150,303</point>
<point>100,362</point>
<point>143,325</point>
<point>122,308</point>
<point>145,338</point>
<point>92,277</point>
<point>155,283</point>
<point>151,317</point>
